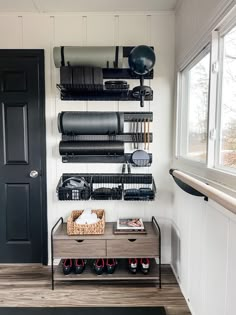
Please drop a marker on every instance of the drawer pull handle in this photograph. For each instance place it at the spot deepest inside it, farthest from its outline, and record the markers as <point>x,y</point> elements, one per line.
<point>132,239</point>
<point>79,241</point>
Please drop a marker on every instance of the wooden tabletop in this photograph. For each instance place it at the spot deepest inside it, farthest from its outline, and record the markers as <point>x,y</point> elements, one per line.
<point>152,232</point>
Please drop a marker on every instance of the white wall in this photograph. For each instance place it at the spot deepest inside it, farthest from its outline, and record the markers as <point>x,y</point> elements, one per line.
<point>203,233</point>
<point>195,19</point>
<point>204,254</point>
<point>47,31</point>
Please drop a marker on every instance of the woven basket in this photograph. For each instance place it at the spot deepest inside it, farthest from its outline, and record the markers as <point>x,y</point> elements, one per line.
<point>82,229</point>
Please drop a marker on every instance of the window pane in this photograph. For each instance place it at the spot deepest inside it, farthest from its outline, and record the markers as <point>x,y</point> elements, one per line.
<point>197,85</point>
<point>228,103</point>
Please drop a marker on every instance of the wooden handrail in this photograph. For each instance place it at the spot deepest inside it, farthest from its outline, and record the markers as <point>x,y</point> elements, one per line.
<point>218,196</point>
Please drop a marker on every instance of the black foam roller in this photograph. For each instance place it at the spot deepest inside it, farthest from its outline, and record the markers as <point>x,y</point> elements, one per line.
<point>91,148</point>
<point>91,123</point>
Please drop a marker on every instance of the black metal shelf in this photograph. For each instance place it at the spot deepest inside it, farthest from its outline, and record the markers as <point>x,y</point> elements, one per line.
<point>72,92</point>
<point>126,137</point>
<point>125,73</point>
<point>101,158</point>
<point>130,187</point>
<point>141,116</point>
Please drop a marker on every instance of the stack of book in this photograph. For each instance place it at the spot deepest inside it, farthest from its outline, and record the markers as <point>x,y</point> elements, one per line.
<point>129,226</point>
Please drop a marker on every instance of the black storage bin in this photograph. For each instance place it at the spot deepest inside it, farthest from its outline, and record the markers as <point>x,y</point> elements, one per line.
<point>68,193</point>
<point>107,187</point>
<point>96,186</point>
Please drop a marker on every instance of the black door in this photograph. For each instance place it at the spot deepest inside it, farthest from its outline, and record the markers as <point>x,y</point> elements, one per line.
<point>23,236</point>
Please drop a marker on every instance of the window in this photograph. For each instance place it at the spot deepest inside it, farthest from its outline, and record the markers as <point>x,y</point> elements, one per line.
<point>195,89</point>
<point>226,150</point>
<point>206,130</point>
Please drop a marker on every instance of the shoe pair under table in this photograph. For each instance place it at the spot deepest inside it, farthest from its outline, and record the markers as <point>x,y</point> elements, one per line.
<point>99,265</point>
<point>143,265</point>
<point>75,265</point>
<point>102,265</point>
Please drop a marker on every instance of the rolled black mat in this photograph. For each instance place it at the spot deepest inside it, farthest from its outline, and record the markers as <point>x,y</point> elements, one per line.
<point>91,148</point>
<point>91,123</point>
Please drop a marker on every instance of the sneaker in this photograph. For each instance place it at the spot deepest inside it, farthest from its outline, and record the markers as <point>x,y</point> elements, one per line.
<point>145,265</point>
<point>79,266</point>
<point>111,265</point>
<point>133,265</point>
<point>98,266</point>
<point>67,266</point>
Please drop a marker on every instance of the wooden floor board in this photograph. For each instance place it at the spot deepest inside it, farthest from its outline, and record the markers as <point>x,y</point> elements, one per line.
<point>29,285</point>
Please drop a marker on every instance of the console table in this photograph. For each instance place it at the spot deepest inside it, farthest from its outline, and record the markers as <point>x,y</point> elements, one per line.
<point>107,245</point>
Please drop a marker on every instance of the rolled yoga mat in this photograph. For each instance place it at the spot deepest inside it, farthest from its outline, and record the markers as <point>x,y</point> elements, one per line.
<point>91,148</point>
<point>91,123</point>
<point>104,57</point>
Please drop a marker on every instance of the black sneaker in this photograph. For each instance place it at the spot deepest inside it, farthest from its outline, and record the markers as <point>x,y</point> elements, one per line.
<point>145,265</point>
<point>67,266</point>
<point>111,265</point>
<point>79,266</point>
<point>98,266</point>
<point>133,265</point>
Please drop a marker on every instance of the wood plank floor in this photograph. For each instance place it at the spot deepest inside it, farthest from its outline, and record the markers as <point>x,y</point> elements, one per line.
<point>29,285</point>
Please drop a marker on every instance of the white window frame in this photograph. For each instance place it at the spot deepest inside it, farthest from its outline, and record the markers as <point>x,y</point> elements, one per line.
<point>224,30</point>
<point>183,98</point>
<point>223,177</point>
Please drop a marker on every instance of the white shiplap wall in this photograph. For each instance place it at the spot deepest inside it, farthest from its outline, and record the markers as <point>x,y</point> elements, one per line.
<point>46,31</point>
<point>204,254</point>
<point>203,233</point>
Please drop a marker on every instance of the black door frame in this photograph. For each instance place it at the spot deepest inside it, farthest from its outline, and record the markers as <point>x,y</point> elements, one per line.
<point>39,54</point>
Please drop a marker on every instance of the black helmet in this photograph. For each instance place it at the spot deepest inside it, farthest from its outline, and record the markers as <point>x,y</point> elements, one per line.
<point>141,59</point>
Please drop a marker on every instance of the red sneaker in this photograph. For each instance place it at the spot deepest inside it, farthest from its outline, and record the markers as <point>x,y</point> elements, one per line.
<point>98,266</point>
<point>79,266</point>
<point>133,265</point>
<point>145,265</point>
<point>67,266</point>
<point>111,265</point>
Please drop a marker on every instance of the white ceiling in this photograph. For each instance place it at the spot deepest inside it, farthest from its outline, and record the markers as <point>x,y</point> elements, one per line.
<point>86,5</point>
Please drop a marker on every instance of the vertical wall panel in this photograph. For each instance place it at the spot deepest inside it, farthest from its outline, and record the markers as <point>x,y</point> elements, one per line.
<point>196,260</point>
<point>215,258</point>
<point>36,31</point>
<point>184,216</point>
<point>231,276</point>
<point>132,30</point>
<point>163,43</point>
<point>98,34</point>
<point>68,30</point>
<point>11,32</point>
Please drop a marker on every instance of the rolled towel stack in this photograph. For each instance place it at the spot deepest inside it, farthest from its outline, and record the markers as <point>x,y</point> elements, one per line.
<point>87,217</point>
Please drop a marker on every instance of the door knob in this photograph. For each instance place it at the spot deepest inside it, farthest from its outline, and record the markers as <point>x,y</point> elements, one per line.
<point>34,174</point>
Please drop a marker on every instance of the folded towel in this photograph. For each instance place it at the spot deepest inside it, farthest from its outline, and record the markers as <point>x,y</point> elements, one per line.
<point>87,217</point>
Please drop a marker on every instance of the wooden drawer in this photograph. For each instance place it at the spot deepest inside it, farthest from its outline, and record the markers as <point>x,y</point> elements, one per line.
<point>132,248</point>
<point>79,248</point>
